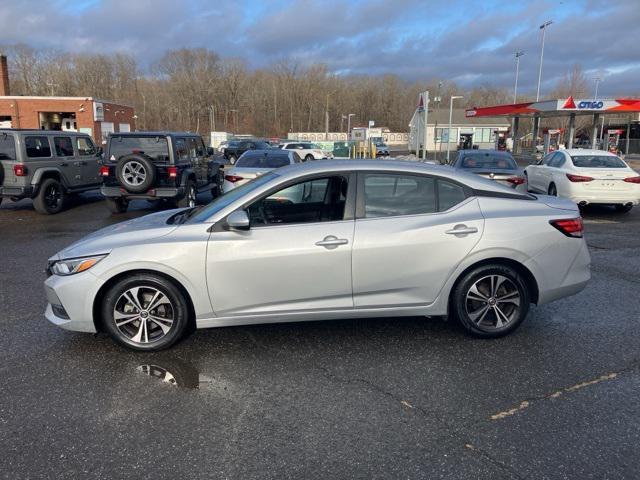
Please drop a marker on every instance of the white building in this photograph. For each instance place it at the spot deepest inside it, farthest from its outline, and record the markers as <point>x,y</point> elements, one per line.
<point>471,131</point>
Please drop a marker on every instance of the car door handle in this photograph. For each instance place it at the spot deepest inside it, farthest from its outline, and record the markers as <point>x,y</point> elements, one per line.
<point>330,242</point>
<point>461,230</point>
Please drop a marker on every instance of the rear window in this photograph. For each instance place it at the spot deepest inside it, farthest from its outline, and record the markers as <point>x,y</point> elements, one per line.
<point>7,147</point>
<point>262,161</point>
<point>487,160</point>
<point>155,147</point>
<point>262,145</point>
<point>597,161</point>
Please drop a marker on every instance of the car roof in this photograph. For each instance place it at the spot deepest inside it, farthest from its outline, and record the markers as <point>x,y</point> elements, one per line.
<point>154,134</point>
<point>578,152</point>
<point>486,151</point>
<point>394,166</point>
<point>35,131</point>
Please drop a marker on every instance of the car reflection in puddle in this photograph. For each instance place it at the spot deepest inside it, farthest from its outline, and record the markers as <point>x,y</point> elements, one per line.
<point>177,373</point>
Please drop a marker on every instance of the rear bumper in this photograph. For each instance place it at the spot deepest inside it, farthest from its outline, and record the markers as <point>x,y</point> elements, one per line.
<point>606,198</point>
<point>17,192</point>
<point>154,193</point>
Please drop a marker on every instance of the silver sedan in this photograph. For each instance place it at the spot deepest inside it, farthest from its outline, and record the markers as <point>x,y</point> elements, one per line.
<point>325,240</point>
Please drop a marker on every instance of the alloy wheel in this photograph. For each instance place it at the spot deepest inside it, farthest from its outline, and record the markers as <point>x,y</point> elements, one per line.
<point>143,314</point>
<point>191,197</point>
<point>53,195</point>
<point>493,302</point>
<point>134,173</point>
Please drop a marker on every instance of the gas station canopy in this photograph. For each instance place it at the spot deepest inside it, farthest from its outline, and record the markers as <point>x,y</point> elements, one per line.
<point>557,108</point>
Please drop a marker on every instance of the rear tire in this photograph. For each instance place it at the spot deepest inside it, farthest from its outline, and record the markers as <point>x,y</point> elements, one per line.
<point>553,191</point>
<point>309,158</point>
<point>623,208</point>
<point>232,159</point>
<point>51,197</point>
<point>145,312</point>
<point>491,301</point>
<point>117,205</point>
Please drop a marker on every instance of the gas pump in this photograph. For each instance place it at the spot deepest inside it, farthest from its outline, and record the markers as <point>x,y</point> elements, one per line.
<point>500,140</point>
<point>612,139</point>
<point>552,139</point>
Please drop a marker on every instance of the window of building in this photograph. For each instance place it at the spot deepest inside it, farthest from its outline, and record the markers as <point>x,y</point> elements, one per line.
<point>63,146</point>
<point>446,134</point>
<point>37,146</point>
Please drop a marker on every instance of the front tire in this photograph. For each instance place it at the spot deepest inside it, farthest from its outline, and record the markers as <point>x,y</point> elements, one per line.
<point>491,301</point>
<point>51,197</point>
<point>309,158</point>
<point>145,312</point>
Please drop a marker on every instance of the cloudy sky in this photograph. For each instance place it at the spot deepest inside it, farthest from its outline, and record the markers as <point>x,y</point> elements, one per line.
<point>471,42</point>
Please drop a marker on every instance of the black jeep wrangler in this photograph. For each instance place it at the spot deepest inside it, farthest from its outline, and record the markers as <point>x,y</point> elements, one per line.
<point>167,166</point>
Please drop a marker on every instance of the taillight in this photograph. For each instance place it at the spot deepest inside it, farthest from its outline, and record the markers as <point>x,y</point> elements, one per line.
<point>104,171</point>
<point>233,178</point>
<point>578,178</point>
<point>571,227</point>
<point>632,179</point>
<point>172,172</point>
<point>516,180</point>
<point>19,170</point>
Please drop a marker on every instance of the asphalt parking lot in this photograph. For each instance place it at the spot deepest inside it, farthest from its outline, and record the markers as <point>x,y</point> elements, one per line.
<point>378,398</point>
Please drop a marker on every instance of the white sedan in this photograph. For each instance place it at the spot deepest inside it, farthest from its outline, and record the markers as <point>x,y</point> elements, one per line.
<point>307,151</point>
<point>254,163</point>
<point>586,177</point>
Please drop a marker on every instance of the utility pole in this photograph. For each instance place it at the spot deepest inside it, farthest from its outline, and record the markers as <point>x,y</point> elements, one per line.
<point>543,27</point>
<point>597,81</point>
<point>515,88</point>
<point>426,118</point>
<point>326,120</point>
<point>453,97</point>
<point>349,124</point>
<point>435,128</point>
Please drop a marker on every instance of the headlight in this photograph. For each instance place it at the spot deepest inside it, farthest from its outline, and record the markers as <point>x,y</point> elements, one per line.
<point>74,265</point>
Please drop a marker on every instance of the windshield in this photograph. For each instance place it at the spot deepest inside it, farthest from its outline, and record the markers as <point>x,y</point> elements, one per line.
<point>203,213</point>
<point>488,160</point>
<point>155,147</point>
<point>597,161</point>
<point>262,160</point>
<point>315,146</point>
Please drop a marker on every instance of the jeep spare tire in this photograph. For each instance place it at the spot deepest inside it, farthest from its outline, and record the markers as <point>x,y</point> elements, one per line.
<point>136,173</point>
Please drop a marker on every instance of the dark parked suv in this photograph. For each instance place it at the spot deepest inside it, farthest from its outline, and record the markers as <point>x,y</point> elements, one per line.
<point>47,166</point>
<point>235,148</point>
<point>158,166</point>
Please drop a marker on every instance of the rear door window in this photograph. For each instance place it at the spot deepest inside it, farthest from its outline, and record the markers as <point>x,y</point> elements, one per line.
<point>182,149</point>
<point>37,146</point>
<point>388,195</point>
<point>7,147</point>
<point>63,146</point>
<point>85,146</point>
<point>449,195</point>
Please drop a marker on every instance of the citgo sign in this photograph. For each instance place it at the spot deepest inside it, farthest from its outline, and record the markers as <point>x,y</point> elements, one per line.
<point>589,105</point>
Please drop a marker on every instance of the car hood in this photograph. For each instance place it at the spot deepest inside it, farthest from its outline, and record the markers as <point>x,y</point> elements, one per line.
<point>131,232</point>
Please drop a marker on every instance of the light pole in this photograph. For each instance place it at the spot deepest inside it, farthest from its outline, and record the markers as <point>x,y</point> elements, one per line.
<point>515,88</point>
<point>453,97</point>
<point>597,80</point>
<point>435,128</point>
<point>349,124</point>
<point>543,27</point>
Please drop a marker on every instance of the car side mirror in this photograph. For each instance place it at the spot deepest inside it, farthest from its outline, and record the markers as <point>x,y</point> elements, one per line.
<point>209,151</point>
<point>238,220</point>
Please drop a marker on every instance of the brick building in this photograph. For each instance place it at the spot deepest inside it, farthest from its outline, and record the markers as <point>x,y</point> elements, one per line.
<point>96,117</point>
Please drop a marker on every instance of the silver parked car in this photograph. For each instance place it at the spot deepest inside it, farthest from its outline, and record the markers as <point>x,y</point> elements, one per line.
<point>325,240</point>
<point>254,163</point>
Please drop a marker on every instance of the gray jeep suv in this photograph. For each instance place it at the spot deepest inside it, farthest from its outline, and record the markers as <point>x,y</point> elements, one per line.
<point>47,166</point>
<point>168,166</point>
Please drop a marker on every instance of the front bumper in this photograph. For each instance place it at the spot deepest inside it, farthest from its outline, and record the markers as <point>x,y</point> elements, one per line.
<point>70,301</point>
<point>154,193</point>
